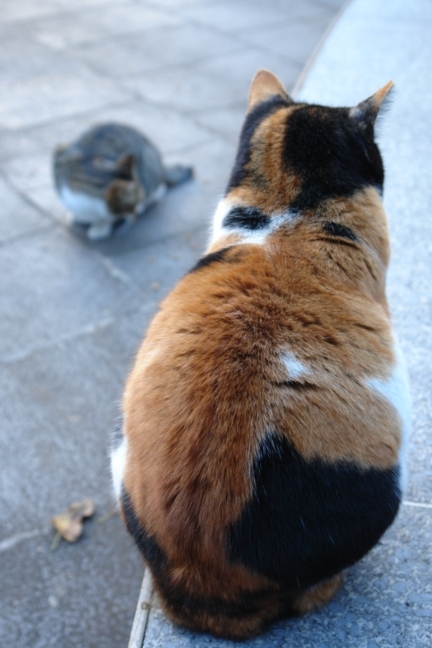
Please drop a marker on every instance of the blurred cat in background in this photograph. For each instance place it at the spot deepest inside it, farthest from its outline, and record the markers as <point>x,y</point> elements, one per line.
<point>111,174</point>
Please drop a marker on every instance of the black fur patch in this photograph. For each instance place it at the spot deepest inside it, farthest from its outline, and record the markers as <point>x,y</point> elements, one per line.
<point>180,602</point>
<point>308,520</point>
<point>147,545</point>
<point>213,257</point>
<point>247,218</point>
<point>253,119</point>
<point>331,154</point>
<point>335,229</point>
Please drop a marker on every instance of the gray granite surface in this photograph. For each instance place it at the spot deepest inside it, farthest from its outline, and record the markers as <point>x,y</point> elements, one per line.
<point>72,312</point>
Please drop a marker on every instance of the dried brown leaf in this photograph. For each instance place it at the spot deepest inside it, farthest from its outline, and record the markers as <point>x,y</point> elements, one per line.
<point>70,523</point>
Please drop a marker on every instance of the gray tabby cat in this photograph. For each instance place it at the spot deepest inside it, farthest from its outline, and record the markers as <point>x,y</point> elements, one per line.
<point>112,173</point>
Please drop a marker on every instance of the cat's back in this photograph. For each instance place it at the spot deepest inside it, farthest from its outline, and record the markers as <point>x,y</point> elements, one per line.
<point>266,412</point>
<point>100,148</point>
<point>251,340</point>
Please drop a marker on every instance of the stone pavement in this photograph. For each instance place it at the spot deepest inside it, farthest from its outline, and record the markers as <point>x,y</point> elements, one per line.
<point>386,600</point>
<point>73,313</point>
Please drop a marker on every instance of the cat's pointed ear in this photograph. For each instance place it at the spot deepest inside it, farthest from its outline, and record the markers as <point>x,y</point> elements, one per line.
<point>126,165</point>
<point>265,85</point>
<point>366,112</point>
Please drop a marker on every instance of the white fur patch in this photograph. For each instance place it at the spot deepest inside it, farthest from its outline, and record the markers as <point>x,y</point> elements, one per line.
<point>396,391</point>
<point>246,236</point>
<point>295,368</point>
<point>118,461</point>
<point>86,210</point>
<point>158,194</point>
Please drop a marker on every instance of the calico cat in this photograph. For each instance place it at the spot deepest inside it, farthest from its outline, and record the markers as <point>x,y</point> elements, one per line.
<point>110,174</point>
<point>266,416</point>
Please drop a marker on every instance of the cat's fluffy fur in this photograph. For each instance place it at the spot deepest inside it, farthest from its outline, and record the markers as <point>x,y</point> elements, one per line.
<point>265,416</point>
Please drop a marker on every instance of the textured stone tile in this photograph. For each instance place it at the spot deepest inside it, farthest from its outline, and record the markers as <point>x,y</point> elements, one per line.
<point>94,24</point>
<point>81,595</point>
<point>159,266</point>
<point>212,83</point>
<point>168,129</point>
<point>385,601</point>
<point>46,199</point>
<point>136,54</point>
<point>62,289</point>
<point>24,10</point>
<point>29,59</point>
<point>59,408</point>
<point>54,96</point>
<point>294,40</point>
<point>30,10</point>
<point>17,216</point>
<point>226,122</point>
<point>231,16</point>
<point>28,172</point>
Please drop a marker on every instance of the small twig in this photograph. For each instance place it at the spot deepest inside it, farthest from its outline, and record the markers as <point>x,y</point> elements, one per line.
<point>107,516</point>
<point>56,541</point>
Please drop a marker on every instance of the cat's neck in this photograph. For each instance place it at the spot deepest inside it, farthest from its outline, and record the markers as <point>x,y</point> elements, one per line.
<point>337,239</point>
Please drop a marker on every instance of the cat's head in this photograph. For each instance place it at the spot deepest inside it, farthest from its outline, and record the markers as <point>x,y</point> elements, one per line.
<point>295,156</point>
<point>125,194</point>
<point>113,182</point>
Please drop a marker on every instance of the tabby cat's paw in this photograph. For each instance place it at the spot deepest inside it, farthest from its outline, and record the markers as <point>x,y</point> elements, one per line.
<point>99,231</point>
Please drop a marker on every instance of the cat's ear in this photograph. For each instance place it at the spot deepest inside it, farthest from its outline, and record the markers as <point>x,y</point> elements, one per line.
<point>123,196</point>
<point>366,112</point>
<point>126,165</point>
<point>265,85</point>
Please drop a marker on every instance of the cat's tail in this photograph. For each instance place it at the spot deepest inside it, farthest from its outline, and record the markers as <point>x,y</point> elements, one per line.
<point>177,173</point>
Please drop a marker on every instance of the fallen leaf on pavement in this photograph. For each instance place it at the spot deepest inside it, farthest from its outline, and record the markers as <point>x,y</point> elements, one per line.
<point>69,524</point>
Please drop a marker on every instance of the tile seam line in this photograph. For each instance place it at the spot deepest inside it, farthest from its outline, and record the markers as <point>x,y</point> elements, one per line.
<point>311,60</point>
<point>13,187</point>
<point>99,40</point>
<point>90,329</point>
<point>53,13</point>
<point>57,120</point>
<point>75,50</point>
<point>186,112</point>
<point>417,504</point>
<point>31,233</point>
<point>163,239</point>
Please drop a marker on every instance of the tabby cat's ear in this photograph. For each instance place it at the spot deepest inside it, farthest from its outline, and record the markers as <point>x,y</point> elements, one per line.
<point>265,85</point>
<point>126,165</point>
<point>366,112</point>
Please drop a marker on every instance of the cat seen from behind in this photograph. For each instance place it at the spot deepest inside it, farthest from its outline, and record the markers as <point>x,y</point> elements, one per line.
<point>112,173</point>
<point>266,415</point>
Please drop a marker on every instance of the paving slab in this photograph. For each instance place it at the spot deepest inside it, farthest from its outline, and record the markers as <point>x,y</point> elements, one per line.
<point>134,54</point>
<point>69,292</point>
<point>67,595</point>
<point>94,24</point>
<point>51,96</point>
<point>61,405</point>
<point>188,88</point>
<point>18,216</point>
